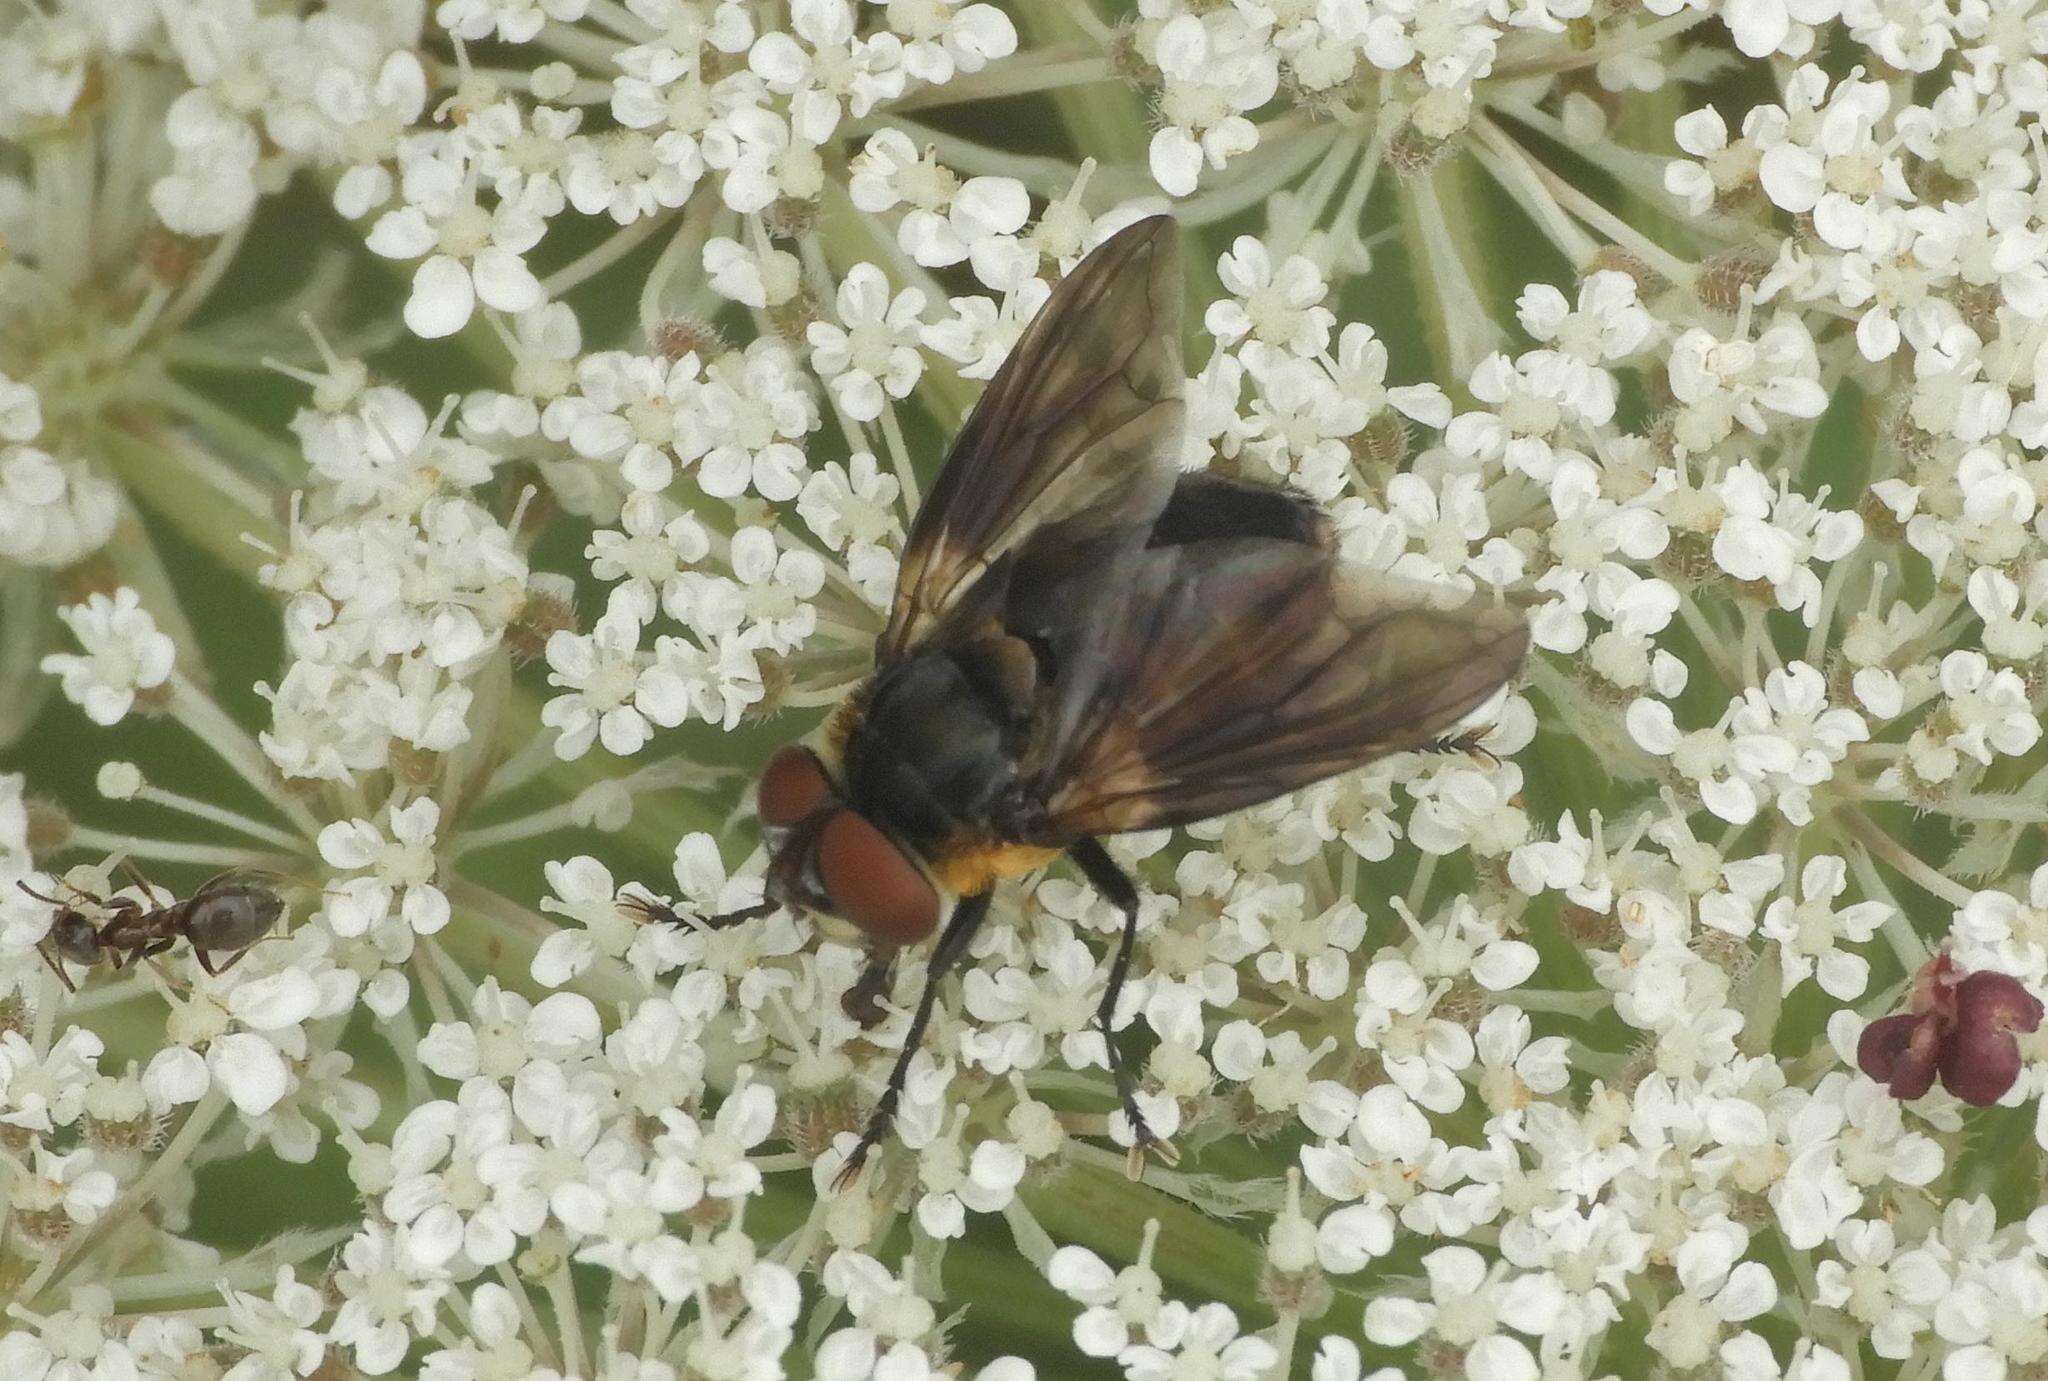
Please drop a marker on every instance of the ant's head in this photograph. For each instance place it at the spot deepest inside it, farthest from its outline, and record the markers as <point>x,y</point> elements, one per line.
<point>72,933</point>
<point>75,938</point>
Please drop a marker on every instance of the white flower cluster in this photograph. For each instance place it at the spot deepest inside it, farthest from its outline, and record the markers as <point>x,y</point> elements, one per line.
<point>697,92</point>
<point>398,588</point>
<point>1685,1022</point>
<point>51,513</point>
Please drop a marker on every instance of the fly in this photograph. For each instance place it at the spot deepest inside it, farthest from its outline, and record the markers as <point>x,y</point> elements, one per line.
<point>1083,642</point>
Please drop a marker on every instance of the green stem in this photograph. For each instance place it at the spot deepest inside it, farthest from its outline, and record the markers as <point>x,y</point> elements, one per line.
<point>1107,118</point>
<point>1551,59</point>
<point>1051,68</point>
<point>232,744</point>
<point>1460,328</point>
<point>604,253</point>
<point>1101,1209</point>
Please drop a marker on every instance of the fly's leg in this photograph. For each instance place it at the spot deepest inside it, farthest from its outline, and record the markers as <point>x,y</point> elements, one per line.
<point>863,1001</point>
<point>1105,877</point>
<point>968,914</point>
<point>730,918</point>
<point>647,908</point>
<point>1468,743</point>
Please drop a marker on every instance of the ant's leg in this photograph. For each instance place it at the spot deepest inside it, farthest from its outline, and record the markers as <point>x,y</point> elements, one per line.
<point>135,876</point>
<point>968,914</point>
<point>91,898</point>
<point>863,1001</point>
<point>124,956</point>
<point>79,892</point>
<point>232,959</point>
<point>56,964</point>
<point>1102,873</point>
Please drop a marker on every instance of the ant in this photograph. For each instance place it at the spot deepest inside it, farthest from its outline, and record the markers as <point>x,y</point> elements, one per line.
<point>228,914</point>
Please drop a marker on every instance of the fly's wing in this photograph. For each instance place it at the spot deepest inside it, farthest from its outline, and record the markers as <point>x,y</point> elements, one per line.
<point>1226,673</point>
<point>1079,427</point>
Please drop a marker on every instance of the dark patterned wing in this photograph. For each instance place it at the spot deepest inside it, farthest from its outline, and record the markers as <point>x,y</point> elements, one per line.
<point>1079,427</point>
<point>1228,672</point>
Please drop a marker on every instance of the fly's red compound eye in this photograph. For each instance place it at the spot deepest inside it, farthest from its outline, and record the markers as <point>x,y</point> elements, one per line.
<point>793,785</point>
<point>872,883</point>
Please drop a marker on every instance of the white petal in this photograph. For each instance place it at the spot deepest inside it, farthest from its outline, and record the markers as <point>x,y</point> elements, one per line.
<point>1176,161</point>
<point>401,234</point>
<point>1393,1322</point>
<point>281,1000</point>
<point>442,298</point>
<point>175,1075</point>
<point>503,280</point>
<point>251,1070</point>
<point>1792,176</point>
<point>1759,26</point>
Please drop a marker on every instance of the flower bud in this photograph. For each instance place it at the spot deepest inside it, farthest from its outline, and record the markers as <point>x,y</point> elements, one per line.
<point>119,781</point>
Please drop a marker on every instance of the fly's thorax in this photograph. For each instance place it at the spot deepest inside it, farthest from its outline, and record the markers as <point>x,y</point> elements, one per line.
<point>931,754</point>
<point>830,738</point>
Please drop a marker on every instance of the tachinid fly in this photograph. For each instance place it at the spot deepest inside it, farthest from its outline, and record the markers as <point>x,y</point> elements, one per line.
<point>1085,641</point>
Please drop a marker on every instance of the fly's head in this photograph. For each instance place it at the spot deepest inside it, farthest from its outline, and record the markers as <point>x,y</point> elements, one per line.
<point>827,857</point>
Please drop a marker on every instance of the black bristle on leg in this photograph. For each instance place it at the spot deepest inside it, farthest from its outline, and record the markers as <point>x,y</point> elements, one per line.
<point>1103,874</point>
<point>968,914</point>
<point>648,909</point>
<point>1467,743</point>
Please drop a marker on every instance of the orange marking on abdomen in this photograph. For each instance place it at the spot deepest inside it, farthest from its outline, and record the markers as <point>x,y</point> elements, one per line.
<point>972,867</point>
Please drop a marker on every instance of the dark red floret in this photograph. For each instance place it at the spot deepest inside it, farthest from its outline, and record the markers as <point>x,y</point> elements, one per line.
<point>1962,1026</point>
<point>1901,1052</point>
<point>1980,1058</point>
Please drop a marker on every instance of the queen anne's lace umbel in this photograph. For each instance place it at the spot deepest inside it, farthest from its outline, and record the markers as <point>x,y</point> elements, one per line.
<point>440,445</point>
